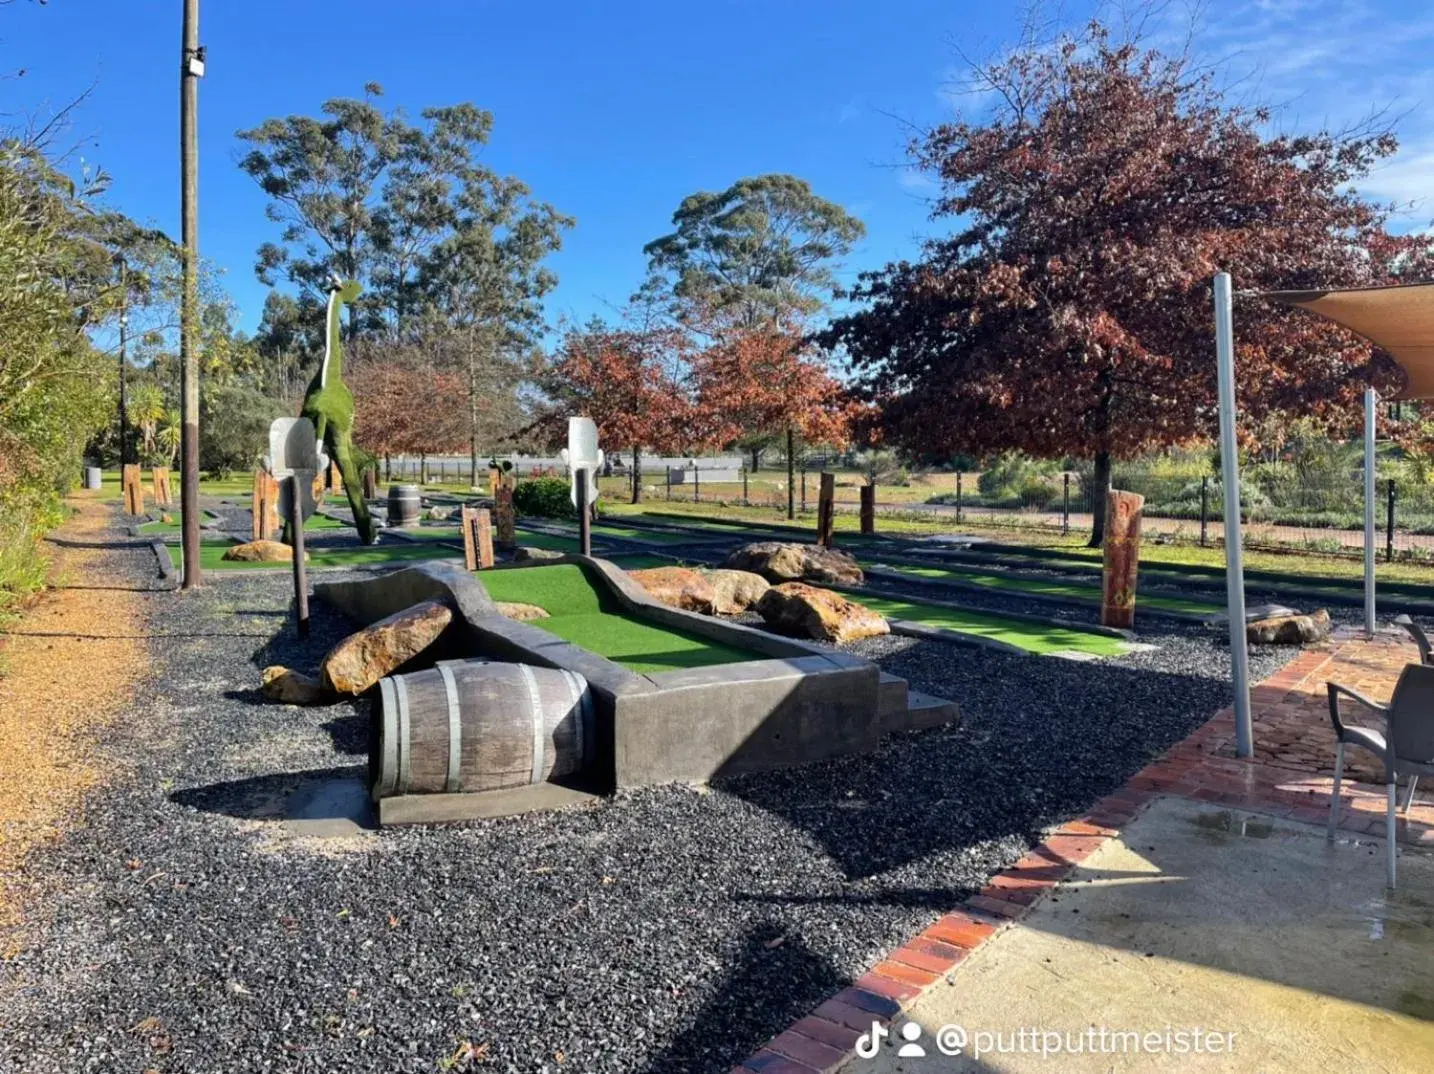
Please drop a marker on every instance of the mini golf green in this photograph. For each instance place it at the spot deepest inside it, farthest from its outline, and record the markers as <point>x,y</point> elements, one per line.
<point>211,555</point>
<point>584,613</point>
<point>1038,638</point>
<point>1069,590</point>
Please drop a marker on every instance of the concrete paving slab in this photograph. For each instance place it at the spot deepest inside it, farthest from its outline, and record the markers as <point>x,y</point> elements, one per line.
<point>1234,924</point>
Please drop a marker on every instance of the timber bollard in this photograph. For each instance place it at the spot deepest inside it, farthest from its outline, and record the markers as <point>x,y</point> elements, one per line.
<point>868,509</point>
<point>826,497</point>
<point>1122,558</point>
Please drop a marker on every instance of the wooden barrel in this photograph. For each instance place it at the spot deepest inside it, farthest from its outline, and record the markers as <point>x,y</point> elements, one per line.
<point>404,505</point>
<point>471,725</point>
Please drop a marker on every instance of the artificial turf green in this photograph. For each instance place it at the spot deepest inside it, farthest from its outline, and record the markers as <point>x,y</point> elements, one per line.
<point>314,522</point>
<point>1032,637</point>
<point>211,555</point>
<point>1047,587</point>
<point>584,613</point>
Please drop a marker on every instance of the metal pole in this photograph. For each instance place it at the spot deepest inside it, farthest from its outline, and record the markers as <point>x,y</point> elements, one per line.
<point>1389,526</point>
<point>301,581</point>
<point>1234,551</point>
<point>191,67</point>
<point>1204,509</point>
<point>1371,400</point>
<point>585,522</point>
<point>1066,505</point>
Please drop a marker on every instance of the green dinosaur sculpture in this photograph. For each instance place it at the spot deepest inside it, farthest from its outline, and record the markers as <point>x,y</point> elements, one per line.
<point>330,406</point>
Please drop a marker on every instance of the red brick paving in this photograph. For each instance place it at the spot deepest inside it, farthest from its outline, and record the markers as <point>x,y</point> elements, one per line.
<point>1289,776</point>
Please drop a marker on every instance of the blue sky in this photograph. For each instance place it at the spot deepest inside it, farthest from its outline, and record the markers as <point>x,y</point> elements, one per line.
<point>614,111</point>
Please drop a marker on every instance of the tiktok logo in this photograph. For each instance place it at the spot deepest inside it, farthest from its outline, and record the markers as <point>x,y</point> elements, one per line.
<point>868,1044</point>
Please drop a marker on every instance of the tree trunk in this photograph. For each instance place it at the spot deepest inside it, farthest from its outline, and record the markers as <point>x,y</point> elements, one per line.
<point>1100,486</point>
<point>791,473</point>
<point>636,475</point>
<point>472,414</point>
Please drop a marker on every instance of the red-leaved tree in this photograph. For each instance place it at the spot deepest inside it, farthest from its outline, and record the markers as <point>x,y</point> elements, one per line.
<point>1069,313</point>
<point>631,381</point>
<point>768,380</point>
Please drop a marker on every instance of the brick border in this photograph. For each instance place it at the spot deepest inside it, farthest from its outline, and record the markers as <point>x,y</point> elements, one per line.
<point>824,1040</point>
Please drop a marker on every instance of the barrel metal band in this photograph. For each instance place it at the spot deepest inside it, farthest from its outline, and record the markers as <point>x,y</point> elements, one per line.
<point>535,705</point>
<point>577,703</point>
<point>401,689</point>
<point>388,737</point>
<point>455,729</point>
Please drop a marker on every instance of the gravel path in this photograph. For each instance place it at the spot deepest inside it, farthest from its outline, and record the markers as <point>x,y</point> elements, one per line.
<point>667,930</point>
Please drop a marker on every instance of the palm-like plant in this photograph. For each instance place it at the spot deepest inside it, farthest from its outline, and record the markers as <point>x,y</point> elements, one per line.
<point>170,435</point>
<point>146,410</point>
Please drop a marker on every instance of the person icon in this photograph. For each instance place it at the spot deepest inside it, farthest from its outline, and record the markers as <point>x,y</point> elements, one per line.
<point>911,1050</point>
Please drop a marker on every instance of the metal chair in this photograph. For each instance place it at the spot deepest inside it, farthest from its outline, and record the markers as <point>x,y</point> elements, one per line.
<point>1406,746</point>
<point>1420,638</point>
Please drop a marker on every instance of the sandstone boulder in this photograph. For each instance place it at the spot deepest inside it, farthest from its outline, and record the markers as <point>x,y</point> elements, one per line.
<point>262,552</point>
<point>526,554</point>
<point>1290,629</point>
<point>736,591</point>
<point>523,613</point>
<point>778,561</point>
<point>796,608</point>
<point>677,587</point>
<point>292,687</point>
<point>360,660</point>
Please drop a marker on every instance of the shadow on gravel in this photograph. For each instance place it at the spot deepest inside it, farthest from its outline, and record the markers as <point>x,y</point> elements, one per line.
<point>772,980</point>
<point>349,734</point>
<point>1041,740</point>
<point>260,797</point>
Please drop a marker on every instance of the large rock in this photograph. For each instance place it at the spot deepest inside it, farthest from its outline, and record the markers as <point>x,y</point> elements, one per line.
<point>523,613</point>
<point>262,552</point>
<point>796,608</point>
<point>1290,629</point>
<point>778,561</point>
<point>292,687</point>
<point>360,660</point>
<point>677,587</point>
<point>736,591</point>
<point>527,554</point>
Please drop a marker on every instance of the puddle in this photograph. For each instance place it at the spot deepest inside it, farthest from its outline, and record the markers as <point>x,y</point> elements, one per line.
<point>1217,828</point>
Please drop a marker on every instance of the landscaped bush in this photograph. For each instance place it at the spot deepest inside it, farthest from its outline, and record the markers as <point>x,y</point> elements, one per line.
<point>1010,474</point>
<point>544,497</point>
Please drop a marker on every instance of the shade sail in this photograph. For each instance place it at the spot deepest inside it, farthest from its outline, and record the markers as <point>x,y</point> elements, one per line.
<point>1399,319</point>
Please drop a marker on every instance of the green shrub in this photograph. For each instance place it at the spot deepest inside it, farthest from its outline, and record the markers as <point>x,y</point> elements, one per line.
<point>544,497</point>
<point>1011,473</point>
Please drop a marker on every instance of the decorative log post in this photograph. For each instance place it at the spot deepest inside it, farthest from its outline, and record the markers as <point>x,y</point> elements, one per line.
<point>468,522</point>
<point>483,524</point>
<point>133,490</point>
<point>868,509</point>
<point>1122,558</point>
<point>160,480</point>
<point>370,482</point>
<point>826,497</point>
<point>503,505</point>
<point>336,479</point>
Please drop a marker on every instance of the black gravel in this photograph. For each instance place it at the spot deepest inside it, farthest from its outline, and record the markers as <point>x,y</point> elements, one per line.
<point>670,929</point>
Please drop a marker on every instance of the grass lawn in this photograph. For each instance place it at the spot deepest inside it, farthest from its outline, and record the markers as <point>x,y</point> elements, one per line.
<point>211,554</point>
<point>1072,590</point>
<point>1033,637</point>
<point>586,615</point>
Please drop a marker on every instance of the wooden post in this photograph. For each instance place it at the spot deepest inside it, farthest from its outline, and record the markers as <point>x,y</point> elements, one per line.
<point>301,582</point>
<point>495,477</point>
<point>826,496</point>
<point>468,521</point>
<point>1122,558</point>
<point>336,479</point>
<point>804,488</point>
<point>484,525</point>
<point>132,489</point>
<point>370,482</point>
<point>585,521</point>
<point>159,478</point>
<point>868,509</point>
<point>503,506</point>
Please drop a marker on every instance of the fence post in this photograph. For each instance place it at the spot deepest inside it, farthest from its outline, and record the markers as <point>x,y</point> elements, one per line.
<point>1204,509</point>
<point>696,484</point>
<point>1389,525</point>
<point>958,495</point>
<point>1065,505</point>
<point>745,501</point>
<point>804,485</point>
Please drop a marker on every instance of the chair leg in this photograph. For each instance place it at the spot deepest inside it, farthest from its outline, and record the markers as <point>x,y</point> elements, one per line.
<point>1334,794</point>
<point>1391,833</point>
<point>1409,798</point>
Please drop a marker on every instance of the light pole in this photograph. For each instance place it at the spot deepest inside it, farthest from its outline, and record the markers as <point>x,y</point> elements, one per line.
<point>191,69</point>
